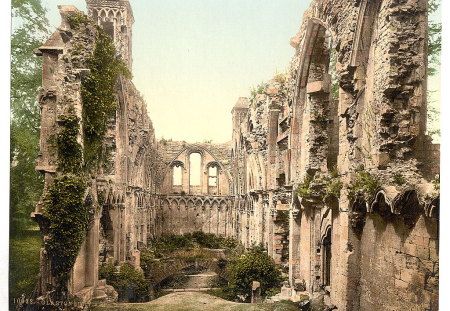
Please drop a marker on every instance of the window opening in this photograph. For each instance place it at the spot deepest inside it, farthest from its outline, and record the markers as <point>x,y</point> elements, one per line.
<point>212,176</point>
<point>195,160</point>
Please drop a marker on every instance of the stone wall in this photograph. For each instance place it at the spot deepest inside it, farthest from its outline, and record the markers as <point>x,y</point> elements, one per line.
<point>329,166</point>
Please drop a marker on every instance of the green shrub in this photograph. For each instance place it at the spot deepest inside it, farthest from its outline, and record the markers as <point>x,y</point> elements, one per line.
<point>399,179</point>
<point>256,265</point>
<point>130,283</point>
<point>365,184</point>
<point>303,189</point>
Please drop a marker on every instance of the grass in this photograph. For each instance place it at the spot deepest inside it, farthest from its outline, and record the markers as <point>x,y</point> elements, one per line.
<point>194,301</point>
<point>24,262</point>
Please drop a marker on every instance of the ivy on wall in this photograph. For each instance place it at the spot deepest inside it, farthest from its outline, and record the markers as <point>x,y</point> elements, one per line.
<point>69,218</point>
<point>99,95</point>
<point>66,207</point>
<point>70,153</point>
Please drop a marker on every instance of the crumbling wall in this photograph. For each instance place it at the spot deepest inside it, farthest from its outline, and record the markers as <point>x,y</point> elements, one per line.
<point>119,181</point>
<point>341,131</point>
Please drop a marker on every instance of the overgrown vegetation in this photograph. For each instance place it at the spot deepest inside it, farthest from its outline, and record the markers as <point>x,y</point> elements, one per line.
<point>303,188</point>
<point>255,265</point>
<point>99,95</point>
<point>129,283</point>
<point>259,89</point>
<point>29,29</point>
<point>164,245</point>
<point>399,179</point>
<point>70,153</point>
<point>69,218</point>
<point>364,185</point>
<point>329,184</point>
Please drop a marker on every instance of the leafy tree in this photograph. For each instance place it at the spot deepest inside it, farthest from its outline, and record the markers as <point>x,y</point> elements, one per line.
<point>29,31</point>
<point>434,55</point>
<point>256,265</point>
<point>434,39</point>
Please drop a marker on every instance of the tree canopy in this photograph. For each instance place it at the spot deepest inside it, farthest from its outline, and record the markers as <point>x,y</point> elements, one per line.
<point>29,31</point>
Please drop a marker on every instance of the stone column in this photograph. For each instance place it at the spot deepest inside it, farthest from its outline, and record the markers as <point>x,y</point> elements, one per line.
<point>294,245</point>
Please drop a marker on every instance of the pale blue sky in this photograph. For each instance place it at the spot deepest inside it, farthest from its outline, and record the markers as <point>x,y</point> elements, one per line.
<point>193,59</point>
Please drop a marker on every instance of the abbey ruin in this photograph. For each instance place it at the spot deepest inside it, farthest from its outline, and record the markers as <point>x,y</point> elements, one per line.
<point>329,166</point>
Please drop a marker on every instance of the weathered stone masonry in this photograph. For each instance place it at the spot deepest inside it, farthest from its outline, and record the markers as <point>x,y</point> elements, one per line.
<point>352,101</point>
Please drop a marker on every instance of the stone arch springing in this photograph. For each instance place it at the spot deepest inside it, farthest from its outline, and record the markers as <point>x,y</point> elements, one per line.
<point>317,85</point>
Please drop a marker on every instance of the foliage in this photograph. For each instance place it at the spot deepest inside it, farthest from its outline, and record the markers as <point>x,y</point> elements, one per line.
<point>259,89</point>
<point>365,184</point>
<point>437,182</point>
<point>70,153</point>
<point>434,39</point>
<point>303,189</point>
<point>280,78</point>
<point>256,265</point>
<point>166,244</point>
<point>130,283</point>
<point>24,262</point>
<point>29,28</point>
<point>99,95</point>
<point>147,259</point>
<point>434,55</point>
<point>331,181</point>
<point>399,179</point>
<point>77,20</point>
<point>69,220</point>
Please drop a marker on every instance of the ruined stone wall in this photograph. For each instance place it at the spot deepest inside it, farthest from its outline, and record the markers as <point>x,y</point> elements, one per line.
<point>336,141</point>
<point>329,166</point>
<point>121,182</point>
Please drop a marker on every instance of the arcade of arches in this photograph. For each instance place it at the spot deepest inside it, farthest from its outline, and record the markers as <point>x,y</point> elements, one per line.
<point>351,108</point>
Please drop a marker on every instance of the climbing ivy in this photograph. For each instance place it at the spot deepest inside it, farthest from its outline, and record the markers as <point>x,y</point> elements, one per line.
<point>70,152</point>
<point>78,19</point>
<point>99,95</point>
<point>66,208</point>
<point>69,219</point>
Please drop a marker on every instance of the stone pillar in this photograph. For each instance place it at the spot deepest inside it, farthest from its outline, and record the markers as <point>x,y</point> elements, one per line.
<point>256,292</point>
<point>294,245</point>
<point>271,227</point>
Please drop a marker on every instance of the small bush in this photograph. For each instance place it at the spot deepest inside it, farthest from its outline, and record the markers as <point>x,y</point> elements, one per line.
<point>256,265</point>
<point>303,189</point>
<point>128,282</point>
<point>399,179</point>
<point>364,185</point>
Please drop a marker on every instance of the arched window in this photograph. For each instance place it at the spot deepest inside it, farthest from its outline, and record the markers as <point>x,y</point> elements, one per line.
<point>195,160</point>
<point>177,175</point>
<point>326,254</point>
<point>212,176</point>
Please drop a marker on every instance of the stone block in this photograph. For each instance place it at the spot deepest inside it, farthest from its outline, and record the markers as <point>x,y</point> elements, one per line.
<point>317,86</point>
